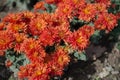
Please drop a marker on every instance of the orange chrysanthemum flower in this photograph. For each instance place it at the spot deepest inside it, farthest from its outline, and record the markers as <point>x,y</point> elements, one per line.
<point>46,37</point>
<point>100,7</point>
<point>61,29</point>
<point>40,5</point>
<point>87,31</point>
<point>19,38</point>
<point>8,63</point>
<point>16,27</point>
<point>33,50</point>
<point>106,22</point>
<point>37,25</point>
<point>78,41</point>
<point>2,25</point>
<point>29,45</point>
<point>56,70</point>
<point>87,13</point>
<point>5,40</point>
<point>13,18</point>
<point>61,57</point>
<point>64,10</point>
<point>23,71</point>
<point>36,70</point>
<point>106,2</point>
<point>2,53</point>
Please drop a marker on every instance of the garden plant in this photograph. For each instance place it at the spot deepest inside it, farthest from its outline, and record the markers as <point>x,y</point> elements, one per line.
<point>39,44</point>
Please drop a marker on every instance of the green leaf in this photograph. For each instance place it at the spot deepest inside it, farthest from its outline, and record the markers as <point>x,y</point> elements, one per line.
<point>95,37</point>
<point>80,56</point>
<point>118,46</point>
<point>83,56</point>
<point>50,8</point>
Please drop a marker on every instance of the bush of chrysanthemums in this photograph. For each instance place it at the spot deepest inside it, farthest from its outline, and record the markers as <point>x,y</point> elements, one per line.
<point>45,38</point>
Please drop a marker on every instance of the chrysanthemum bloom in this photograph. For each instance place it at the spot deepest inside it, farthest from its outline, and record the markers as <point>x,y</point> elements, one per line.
<point>40,5</point>
<point>46,37</point>
<point>13,18</point>
<point>37,54</point>
<point>78,41</point>
<point>15,28</point>
<point>61,57</point>
<point>64,10</point>
<point>61,29</point>
<point>23,71</point>
<point>56,69</point>
<point>2,53</point>
<point>28,45</point>
<point>19,38</point>
<point>74,3</point>
<point>87,31</point>
<point>8,63</point>
<point>87,13</point>
<point>26,17</point>
<point>106,2</point>
<point>33,50</point>
<point>5,40</point>
<point>100,7</point>
<point>61,32</point>
<point>50,1</point>
<point>106,22</point>
<point>37,25</point>
<point>41,72</point>
<point>47,17</point>
<point>34,71</point>
<point>2,25</point>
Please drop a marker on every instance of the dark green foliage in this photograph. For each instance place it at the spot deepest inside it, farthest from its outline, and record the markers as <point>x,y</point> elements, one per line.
<point>75,24</point>
<point>17,59</point>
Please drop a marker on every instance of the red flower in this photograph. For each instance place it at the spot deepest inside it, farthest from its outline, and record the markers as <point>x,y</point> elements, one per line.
<point>40,5</point>
<point>2,25</point>
<point>37,25</point>
<point>87,31</point>
<point>106,2</point>
<point>61,57</point>
<point>100,7</point>
<point>28,45</point>
<point>64,10</point>
<point>106,22</point>
<point>2,53</point>
<point>46,37</point>
<point>87,13</point>
<point>13,18</point>
<point>34,71</point>
<point>78,41</point>
<point>13,27</point>
<point>8,63</point>
<point>19,38</point>
<point>5,40</point>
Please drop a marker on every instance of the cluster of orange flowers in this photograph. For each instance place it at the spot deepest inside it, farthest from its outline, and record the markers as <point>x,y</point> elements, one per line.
<point>32,32</point>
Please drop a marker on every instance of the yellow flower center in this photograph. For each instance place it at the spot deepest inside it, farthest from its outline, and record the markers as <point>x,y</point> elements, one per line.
<point>32,46</point>
<point>60,60</point>
<point>35,54</point>
<point>16,28</point>
<point>2,41</point>
<point>65,10</point>
<point>38,73</point>
<point>79,40</point>
<point>86,11</point>
<point>39,26</point>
